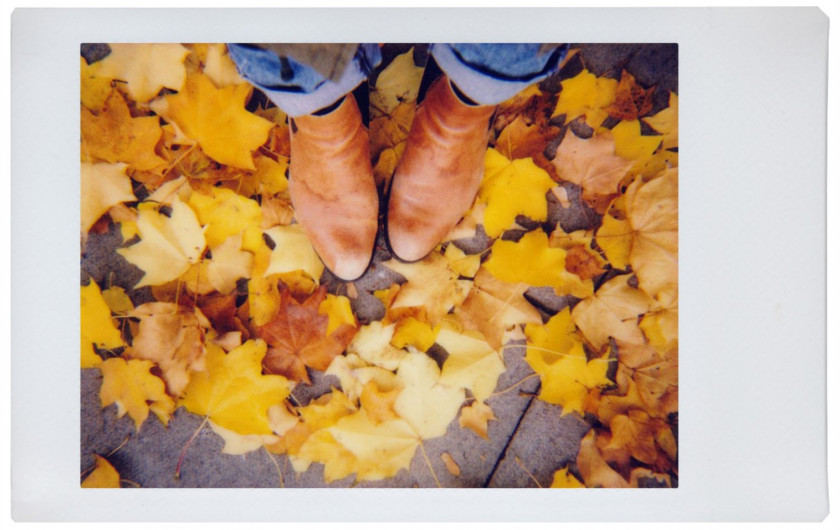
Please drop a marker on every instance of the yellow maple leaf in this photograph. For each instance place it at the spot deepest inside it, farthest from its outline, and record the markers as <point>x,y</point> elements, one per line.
<point>103,186</point>
<point>339,311</point>
<point>293,252</point>
<point>431,285</point>
<point>228,264</point>
<point>563,478</point>
<point>118,301</point>
<point>591,164</point>
<point>555,351</point>
<point>495,306</point>
<point>95,87</point>
<point>103,476</point>
<point>472,364</point>
<point>612,312</point>
<point>372,344</point>
<point>239,444</point>
<point>631,144</point>
<point>224,213</point>
<point>113,135</point>
<point>233,392</point>
<point>135,390</point>
<point>146,68</point>
<point>410,331</point>
<point>666,122</point>
<point>426,402</point>
<point>475,418</point>
<point>219,67</point>
<point>398,82</point>
<point>586,95</point>
<point>217,119</point>
<point>532,261</point>
<point>168,245</point>
<point>97,329</point>
<point>511,188</point>
<point>464,264</point>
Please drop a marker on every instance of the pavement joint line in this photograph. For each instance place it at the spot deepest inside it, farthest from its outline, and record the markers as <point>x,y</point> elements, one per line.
<point>503,453</point>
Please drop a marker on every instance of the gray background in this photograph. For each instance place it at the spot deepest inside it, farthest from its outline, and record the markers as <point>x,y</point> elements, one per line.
<point>752,432</point>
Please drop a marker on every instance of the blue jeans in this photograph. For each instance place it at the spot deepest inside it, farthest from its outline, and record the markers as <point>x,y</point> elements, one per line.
<point>486,73</point>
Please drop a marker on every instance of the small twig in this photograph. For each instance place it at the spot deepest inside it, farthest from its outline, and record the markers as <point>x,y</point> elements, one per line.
<point>127,438</point>
<point>519,462</point>
<point>429,463</point>
<point>276,466</point>
<point>184,450</point>
<point>135,484</point>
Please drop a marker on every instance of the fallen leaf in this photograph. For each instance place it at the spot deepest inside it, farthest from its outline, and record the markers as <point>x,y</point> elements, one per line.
<point>298,337</point>
<point>233,392</point>
<point>103,476</point>
<point>398,82</point>
<point>220,68</point>
<point>168,245</point>
<point>563,478</point>
<point>666,122</point>
<point>511,188</point>
<point>532,261</point>
<point>293,252</point>
<point>632,101</point>
<point>146,68</point>
<point>172,337</point>
<point>113,135</point>
<point>631,144</point>
<point>495,306</point>
<point>95,87</point>
<point>466,265</point>
<point>475,418</point>
<point>239,444</point>
<point>586,95</point>
<point>216,118</point>
<point>613,311</point>
<point>224,213</point>
<point>594,470</point>
<point>555,352</point>
<point>450,464</point>
<point>427,403</point>
<point>97,329</point>
<point>472,364</point>
<point>591,164</point>
<point>431,285</point>
<point>414,332</point>
<point>135,390</point>
<point>521,139</point>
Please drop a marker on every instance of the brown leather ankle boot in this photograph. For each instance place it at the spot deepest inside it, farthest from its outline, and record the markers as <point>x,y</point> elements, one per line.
<point>439,173</point>
<point>332,188</point>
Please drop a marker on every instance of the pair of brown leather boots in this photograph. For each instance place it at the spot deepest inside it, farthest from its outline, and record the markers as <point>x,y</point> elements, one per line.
<point>333,191</point>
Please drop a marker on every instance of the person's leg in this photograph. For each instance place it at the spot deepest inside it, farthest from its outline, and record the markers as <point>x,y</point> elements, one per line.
<point>330,176</point>
<point>441,169</point>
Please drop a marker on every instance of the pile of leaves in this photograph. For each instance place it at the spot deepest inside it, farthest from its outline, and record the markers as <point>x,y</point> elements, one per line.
<point>236,312</point>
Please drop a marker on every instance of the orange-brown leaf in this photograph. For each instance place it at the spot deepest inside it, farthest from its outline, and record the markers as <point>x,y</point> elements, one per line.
<point>632,101</point>
<point>297,337</point>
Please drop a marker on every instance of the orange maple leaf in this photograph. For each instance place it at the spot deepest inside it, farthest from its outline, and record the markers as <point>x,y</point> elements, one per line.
<point>298,338</point>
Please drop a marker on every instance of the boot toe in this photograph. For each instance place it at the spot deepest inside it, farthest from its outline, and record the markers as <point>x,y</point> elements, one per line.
<point>407,246</point>
<point>349,268</point>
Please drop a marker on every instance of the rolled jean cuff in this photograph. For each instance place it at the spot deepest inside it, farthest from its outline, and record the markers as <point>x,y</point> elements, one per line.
<point>488,84</point>
<point>306,91</point>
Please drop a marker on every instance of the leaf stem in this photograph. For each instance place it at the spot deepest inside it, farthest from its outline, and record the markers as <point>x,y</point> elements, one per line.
<point>429,463</point>
<point>186,446</point>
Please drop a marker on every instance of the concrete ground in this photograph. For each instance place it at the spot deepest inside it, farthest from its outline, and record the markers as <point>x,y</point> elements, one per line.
<point>529,440</point>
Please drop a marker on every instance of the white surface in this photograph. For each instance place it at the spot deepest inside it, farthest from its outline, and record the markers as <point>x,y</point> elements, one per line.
<point>752,253</point>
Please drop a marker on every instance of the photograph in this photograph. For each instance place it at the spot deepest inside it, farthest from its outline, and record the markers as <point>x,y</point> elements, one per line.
<point>379,265</point>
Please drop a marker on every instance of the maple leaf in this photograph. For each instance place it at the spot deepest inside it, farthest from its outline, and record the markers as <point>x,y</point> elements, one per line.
<point>378,403</point>
<point>233,392</point>
<point>339,311</point>
<point>556,353</point>
<point>118,301</point>
<point>472,363</point>
<point>586,95</point>
<point>168,245</point>
<point>219,67</point>
<point>494,306</point>
<point>102,186</point>
<point>135,390</point>
<point>431,285</point>
<point>532,261</point>
<point>594,470</point>
<point>631,144</point>
<point>641,437</point>
<point>563,478</point>
<point>228,264</point>
<point>426,402</point>
<point>97,329</point>
<point>666,122</point>
<point>647,238</point>
<point>354,373</point>
<point>520,139</point>
<point>414,332</point>
<point>612,311</point>
<point>224,213</point>
<point>293,252</point>
<point>581,259</point>
<point>373,345</point>
<point>511,188</point>
<point>95,87</point>
<point>646,382</point>
<point>660,325</point>
<point>465,265</point>
<point>388,136</point>
<point>398,82</point>
<point>298,337</point>
<point>591,164</point>
<point>146,68</point>
<point>114,136</point>
<point>216,118</point>
<point>173,338</point>
<point>632,101</point>
<point>475,418</point>
<point>103,476</point>
<point>239,444</point>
